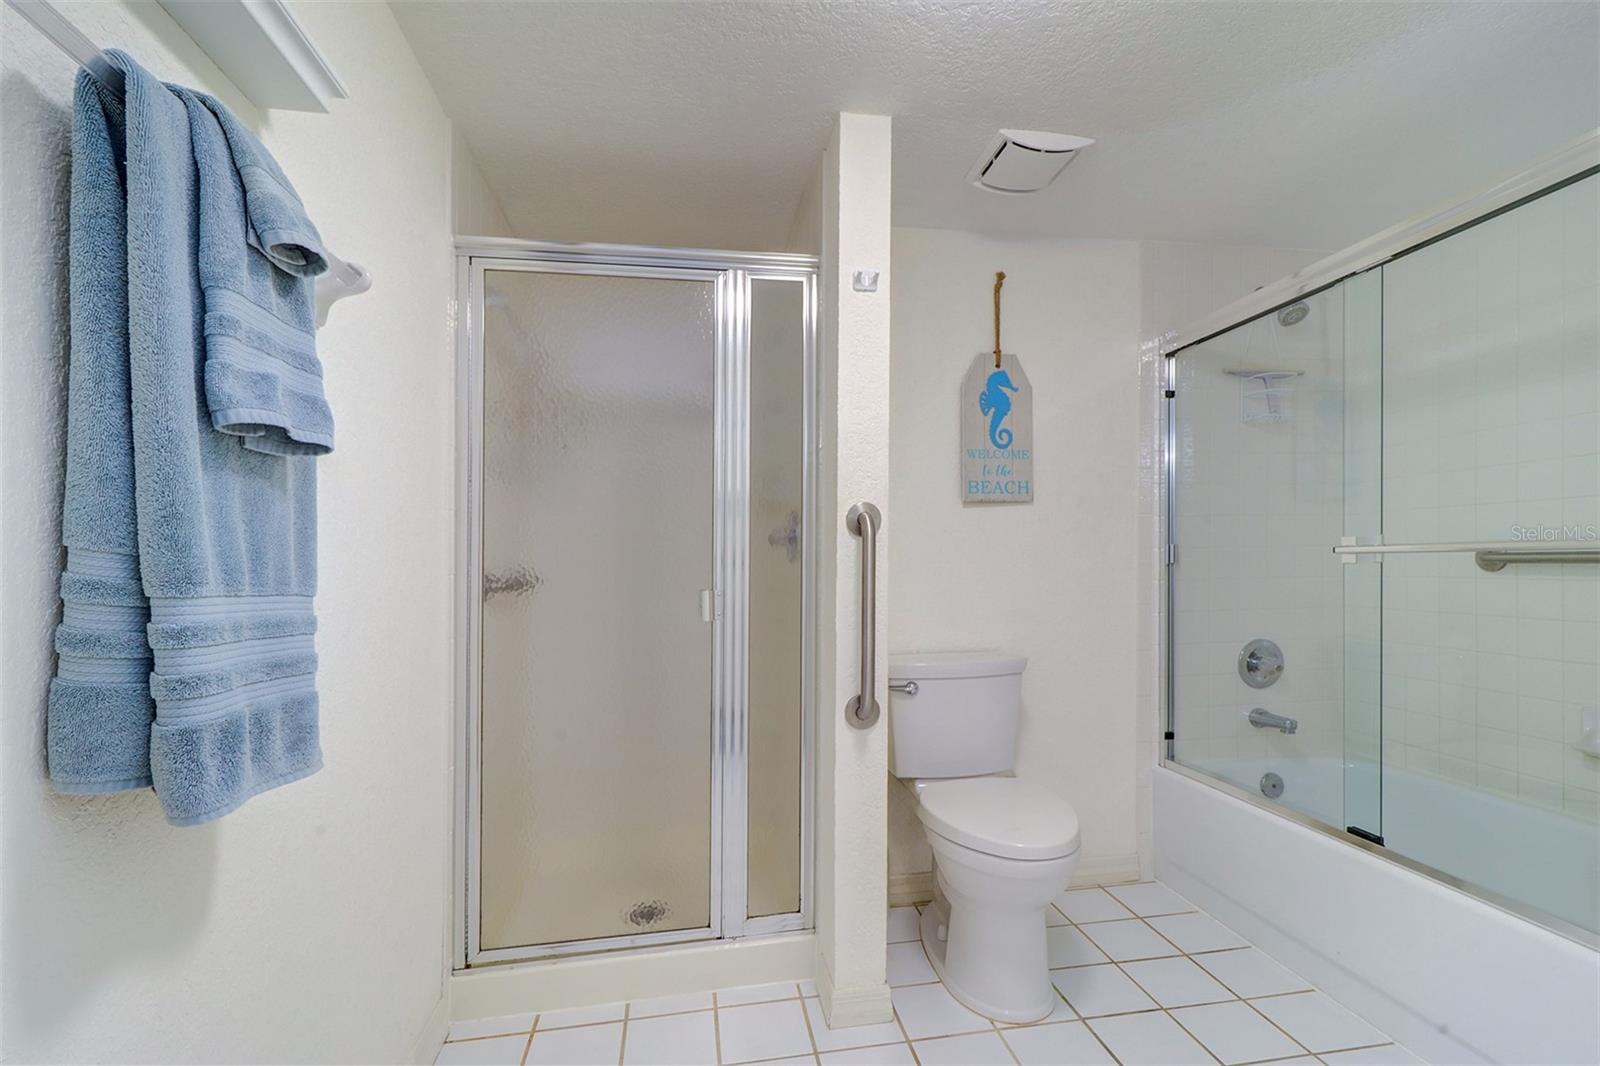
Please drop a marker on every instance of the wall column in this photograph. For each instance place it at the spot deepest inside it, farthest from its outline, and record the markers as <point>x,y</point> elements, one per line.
<point>852,764</point>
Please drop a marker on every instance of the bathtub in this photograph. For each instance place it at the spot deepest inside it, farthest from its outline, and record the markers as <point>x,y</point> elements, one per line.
<point>1452,977</point>
<point>1545,859</point>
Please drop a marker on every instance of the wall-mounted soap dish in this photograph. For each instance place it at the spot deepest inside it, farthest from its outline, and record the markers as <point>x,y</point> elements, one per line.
<point>1264,395</point>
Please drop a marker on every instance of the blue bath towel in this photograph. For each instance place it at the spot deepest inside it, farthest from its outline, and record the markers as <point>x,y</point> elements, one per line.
<point>196,412</point>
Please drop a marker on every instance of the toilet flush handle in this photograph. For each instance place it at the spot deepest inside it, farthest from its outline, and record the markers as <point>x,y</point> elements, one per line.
<point>908,687</point>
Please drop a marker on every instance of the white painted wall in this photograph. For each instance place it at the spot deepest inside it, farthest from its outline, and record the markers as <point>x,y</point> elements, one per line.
<point>852,763</point>
<point>1080,593</point>
<point>307,925</point>
<point>1055,579</point>
<point>474,208</point>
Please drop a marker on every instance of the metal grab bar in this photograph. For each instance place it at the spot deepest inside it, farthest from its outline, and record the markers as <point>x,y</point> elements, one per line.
<point>864,520</point>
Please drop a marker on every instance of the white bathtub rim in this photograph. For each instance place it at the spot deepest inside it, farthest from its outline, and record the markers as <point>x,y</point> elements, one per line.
<point>1542,919</point>
<point>1362,973</point>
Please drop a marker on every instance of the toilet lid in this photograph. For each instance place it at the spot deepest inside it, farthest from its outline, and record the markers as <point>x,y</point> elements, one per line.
<point>1003,816</point>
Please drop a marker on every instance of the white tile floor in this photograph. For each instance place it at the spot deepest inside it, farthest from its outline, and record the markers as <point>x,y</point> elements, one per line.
<point>1143,975</point>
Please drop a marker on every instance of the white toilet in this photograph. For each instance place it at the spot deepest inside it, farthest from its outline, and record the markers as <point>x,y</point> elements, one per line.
<point>1003,847</point>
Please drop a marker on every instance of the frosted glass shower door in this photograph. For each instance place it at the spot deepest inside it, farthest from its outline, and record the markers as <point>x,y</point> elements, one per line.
<point>598,521</point>
<point>777,615</point>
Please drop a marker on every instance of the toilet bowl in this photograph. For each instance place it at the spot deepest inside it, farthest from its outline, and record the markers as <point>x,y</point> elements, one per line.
<point>1003,847</point>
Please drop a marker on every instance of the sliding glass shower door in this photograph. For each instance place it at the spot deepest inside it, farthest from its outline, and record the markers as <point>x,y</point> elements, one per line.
<point>1384,597</point>
<point>636,740</point>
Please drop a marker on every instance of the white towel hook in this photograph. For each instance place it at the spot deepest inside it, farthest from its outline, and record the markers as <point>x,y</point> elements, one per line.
<point>341,279</point>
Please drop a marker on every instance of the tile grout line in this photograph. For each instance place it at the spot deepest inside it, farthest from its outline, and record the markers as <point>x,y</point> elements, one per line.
<point>1201,1044</point>
<point>1003,1043</point>
<point>490,1036</point>
<point>1158,1004</point>
<point>1077,1015</point>
<point>1237,997</point>
<point>910,1047</point>
<point>622,1045</point>
<point>805,1016</point>
<point>1261,1014</point>
<point>1144,919</point>
<point>1090,1030</point>
<point>1189,955</point>
<point>528,1043</point>
<point>1163,1009</point>
<point>716,1023</point>
<point>1162,935</point>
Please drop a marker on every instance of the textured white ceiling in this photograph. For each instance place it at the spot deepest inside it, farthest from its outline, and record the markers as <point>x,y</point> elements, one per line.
<point>1303,124</point>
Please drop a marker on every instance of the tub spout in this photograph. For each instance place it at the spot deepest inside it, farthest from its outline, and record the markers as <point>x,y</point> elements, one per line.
<point>1262,718</point>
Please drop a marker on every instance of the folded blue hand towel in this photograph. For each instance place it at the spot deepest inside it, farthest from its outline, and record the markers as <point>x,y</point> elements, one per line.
<point>196,411</point>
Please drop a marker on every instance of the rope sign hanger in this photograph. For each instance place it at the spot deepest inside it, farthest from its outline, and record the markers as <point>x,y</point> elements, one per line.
<point>999,280</point>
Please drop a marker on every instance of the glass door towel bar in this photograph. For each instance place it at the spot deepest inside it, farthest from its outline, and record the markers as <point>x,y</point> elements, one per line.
<point>1492,556</point>
<point>1588,548</point>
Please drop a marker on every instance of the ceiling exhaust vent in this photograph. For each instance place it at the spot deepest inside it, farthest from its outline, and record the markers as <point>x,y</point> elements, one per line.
<point>1024,161</point>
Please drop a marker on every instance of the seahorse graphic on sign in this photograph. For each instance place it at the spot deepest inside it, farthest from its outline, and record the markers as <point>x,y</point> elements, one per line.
<point>994,402</point>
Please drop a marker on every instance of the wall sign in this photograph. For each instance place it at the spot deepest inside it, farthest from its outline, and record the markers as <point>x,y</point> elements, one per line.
<point>996,425</point>
<point>996,432</point>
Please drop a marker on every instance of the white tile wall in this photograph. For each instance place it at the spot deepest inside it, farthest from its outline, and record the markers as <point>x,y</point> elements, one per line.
<point>1180,283</point>
<point>1491,392</point>
<point>1259,506</point>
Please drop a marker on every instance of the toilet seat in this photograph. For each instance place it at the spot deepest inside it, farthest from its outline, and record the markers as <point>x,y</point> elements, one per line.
<point>1006,817</point>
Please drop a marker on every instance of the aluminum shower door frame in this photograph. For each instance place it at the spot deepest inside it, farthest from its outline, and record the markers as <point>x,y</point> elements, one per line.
<point>1574,162</point>
<point>731,274</point>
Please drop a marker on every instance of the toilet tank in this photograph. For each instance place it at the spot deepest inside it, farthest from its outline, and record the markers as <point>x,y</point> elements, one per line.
<point>962,719</point>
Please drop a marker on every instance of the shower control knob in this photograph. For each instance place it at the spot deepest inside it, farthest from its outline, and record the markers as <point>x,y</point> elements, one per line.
<point>1260,663</point>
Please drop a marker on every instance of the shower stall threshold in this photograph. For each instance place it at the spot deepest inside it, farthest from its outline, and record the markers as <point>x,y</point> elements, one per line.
<point>589,980</point>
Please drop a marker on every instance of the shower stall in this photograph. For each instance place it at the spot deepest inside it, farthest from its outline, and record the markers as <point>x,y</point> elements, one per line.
<point>1382,597</point>
<point>637,494</point>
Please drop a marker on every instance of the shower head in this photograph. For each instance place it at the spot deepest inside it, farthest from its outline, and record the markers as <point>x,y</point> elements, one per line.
<point>1294,314</point>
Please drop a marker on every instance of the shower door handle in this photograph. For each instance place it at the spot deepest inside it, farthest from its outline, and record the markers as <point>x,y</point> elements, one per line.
<point>864,520</point>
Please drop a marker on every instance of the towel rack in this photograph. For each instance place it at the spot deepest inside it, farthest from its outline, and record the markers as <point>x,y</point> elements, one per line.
<point>341,279</point>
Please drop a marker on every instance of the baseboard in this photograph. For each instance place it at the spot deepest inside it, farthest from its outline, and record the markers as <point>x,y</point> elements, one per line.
<point>907,890</point>
<point>1106,870</point>
<point>911,889</point>
<point>430,1038</point>
<point>843,1008</point>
